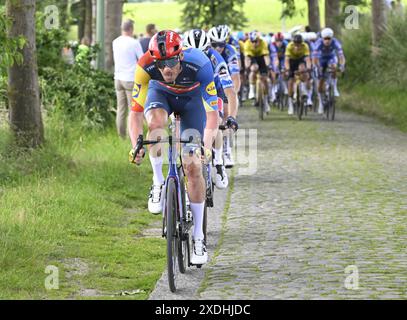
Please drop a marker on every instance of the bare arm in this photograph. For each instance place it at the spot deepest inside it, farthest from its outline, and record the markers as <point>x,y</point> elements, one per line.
<point>135,126</point>
<point>211,129</point>
<point>236,81</point>
<point>232,102</point>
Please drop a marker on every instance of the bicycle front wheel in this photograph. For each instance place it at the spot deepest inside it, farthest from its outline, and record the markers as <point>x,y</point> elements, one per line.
<point>173,239</point>
<point>183,249</point>
<point>332,104</point>
<point>205,223</point>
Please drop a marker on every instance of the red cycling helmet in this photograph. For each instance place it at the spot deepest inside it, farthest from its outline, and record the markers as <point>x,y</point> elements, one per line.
<point>165,44</point>
<point>279,36</point>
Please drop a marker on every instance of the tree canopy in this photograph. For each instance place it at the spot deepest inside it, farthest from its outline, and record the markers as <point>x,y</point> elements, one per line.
<point>207,13</point>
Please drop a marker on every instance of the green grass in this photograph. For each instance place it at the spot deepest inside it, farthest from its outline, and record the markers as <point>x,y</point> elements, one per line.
<point>388,105</point>
<point>263,15</point>
<point>76,198</point>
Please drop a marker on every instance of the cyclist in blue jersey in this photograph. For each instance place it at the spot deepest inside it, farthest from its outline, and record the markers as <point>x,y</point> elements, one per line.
<point>232,40</point>
<point>274,67</point>
<point>280,43</point>
<point>218,36</point>
<point>326,52</point>
<point>169,79</point>
<point>224,86</point>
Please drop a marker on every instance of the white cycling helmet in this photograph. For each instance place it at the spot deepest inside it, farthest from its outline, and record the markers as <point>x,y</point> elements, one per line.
<point>310,36</point>
<point>327,33</point>
<point>197,38</point>
<point>218,34</point>
<point>227,29</point>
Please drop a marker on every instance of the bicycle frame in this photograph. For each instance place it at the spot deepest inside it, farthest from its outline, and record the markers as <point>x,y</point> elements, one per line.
<point>173,155</point>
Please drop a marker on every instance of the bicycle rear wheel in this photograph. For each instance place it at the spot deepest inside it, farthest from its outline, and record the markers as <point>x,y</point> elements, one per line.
<point>173,239</point>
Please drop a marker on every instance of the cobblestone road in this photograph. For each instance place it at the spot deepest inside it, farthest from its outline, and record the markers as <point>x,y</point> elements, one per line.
<point>326,196</point>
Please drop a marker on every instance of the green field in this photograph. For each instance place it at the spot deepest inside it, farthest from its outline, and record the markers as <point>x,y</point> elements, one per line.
<point>263,15</point>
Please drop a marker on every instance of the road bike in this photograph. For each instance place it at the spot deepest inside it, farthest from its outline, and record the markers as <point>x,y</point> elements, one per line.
<point>177,219</point>
<point>301,96</point>
<point>328,97</point>
<point>281,94</point>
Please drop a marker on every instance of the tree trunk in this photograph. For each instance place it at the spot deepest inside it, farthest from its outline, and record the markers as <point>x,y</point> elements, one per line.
<point>332,16</point>
<point>94,21</point>
<point>81,19</point>
<point>378,20</point>
<point>313,15</point>
<point>23,88</point>
<point>113,21</point>
<point>88,29</point>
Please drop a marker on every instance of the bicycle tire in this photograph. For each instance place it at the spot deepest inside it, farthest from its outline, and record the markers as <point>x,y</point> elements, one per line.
<point>304,102</point>
<point>205,223</point>
<point>300,107</point>
<point>260,100</point>
<point>172,234</point>
<point>333,105</point>
<point>328,104</point>
<point>183,249</point>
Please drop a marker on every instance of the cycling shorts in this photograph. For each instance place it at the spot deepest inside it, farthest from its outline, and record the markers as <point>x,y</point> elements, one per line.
<point>294,66</point>
<point>189,105</point>
<point>325,62</point>
<point>260,61</point>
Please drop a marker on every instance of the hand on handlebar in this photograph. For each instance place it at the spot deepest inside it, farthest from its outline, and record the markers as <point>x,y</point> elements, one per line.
<point>232,123</point>
<point>137,154</point>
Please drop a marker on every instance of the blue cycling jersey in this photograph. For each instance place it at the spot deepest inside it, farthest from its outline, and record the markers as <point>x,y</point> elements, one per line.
<point>220,70</point>
<point>196,79</point>
<point>234,42</point>
<point>232,59</point>
<point>273,52</point>
<point>322,51</point>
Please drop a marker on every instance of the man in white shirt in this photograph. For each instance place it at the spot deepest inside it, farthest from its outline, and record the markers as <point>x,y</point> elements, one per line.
<point>126,52</point>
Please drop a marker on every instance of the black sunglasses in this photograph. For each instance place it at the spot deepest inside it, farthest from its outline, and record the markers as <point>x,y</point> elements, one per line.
<point>170,63</point>
<point>218,44</point>
<point>327,38</point>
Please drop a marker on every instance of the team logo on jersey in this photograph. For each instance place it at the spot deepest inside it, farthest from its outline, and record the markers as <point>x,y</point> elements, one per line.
<point>214,61</point>
<point>136,90</point>
<point>211,89</point>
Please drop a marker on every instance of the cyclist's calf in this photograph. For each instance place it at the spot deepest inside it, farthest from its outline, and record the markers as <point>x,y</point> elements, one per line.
<point>192,160</point>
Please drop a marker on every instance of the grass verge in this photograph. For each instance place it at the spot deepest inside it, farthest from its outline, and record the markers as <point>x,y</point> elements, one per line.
<point>78,205</point>
<point>388,105</point>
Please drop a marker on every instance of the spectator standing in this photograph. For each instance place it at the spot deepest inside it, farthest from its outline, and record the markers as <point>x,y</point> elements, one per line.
<point>126,52</point>
<point>150,31</point>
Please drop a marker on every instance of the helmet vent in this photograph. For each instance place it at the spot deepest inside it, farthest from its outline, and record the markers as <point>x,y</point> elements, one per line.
<point>161,39</point>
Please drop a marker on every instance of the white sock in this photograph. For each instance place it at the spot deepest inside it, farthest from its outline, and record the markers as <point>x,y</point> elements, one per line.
<point>252,87</point>
<point>335,84</point>
<point>197,212</point>
<point>157,165</point>
<point>228,146</point>
<point>218,156</point>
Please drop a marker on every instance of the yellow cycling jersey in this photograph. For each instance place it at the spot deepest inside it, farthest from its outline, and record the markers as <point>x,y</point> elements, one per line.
<point>252,50</point>
<point>293,53</point>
